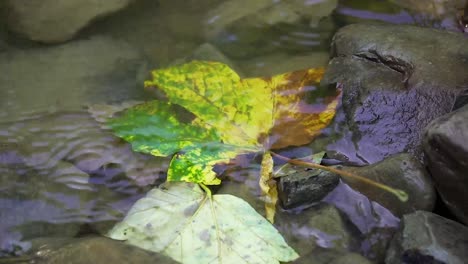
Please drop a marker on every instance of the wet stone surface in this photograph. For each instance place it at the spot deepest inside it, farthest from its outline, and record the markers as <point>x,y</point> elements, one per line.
<point>391,89</point>
<point>55,21</point>
<point>302,187</point>
<point>319,226</point>
<point>238,28</point>
<point>56,250</point>
<point>425,237</point>
<point>330,256</point>
<point>99,69</point>
<point>446,152</point>
<point>403,172</point>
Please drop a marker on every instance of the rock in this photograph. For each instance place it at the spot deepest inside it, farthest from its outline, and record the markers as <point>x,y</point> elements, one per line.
<point>402,172</point>
<point>238,28</point>
<point>208,52</point>
<point>56,21</point>
<point>302,187</point>
<point>162,30</point>
<point>351,258</point>
<point>320,226</point>
<point>442,13</point>
<point>281,62</point>
<point>328,256</point>
<point>375,223</point>
<point>394,84</point>
<point>425,237</point>
<point>446,150</point>
<point>90,250</point>
<point>68,76</point>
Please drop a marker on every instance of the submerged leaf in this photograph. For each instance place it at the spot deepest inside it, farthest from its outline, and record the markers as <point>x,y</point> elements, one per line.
<point>246,112</point>
<point>232,116</point>
<point>181,221</point>
<point>268,186</point>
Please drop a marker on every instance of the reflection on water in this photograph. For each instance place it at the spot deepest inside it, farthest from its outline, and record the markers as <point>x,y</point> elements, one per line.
<point>60,167</point>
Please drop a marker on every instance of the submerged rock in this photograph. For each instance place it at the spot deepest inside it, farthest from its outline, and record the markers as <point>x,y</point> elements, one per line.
<point>68,76</point>
<point>394,83</point>
<point>403,172</point>
<point>238,28</point>
<point>329,256</point>
<point>446,149</point>
<point>425,237</point>
<point>54,21</point>
<point>89,250</point>
<point>375,223</point>
<point>321,226</point>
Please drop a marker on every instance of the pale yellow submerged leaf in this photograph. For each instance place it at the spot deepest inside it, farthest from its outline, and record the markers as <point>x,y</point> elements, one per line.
<point>180,221</point>
<point>268,186</point>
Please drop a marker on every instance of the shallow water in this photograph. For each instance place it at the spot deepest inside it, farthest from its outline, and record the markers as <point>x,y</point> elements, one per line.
<point>59,166</point>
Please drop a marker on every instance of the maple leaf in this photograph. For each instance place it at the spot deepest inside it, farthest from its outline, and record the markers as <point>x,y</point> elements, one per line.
<point>232,116</point>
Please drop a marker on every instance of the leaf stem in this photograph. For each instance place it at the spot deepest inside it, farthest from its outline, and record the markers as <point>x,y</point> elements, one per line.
<point>206,189</point>
<point>400,194</point>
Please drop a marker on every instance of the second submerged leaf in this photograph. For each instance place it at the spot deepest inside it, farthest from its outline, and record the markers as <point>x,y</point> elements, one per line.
<point>183,222</point>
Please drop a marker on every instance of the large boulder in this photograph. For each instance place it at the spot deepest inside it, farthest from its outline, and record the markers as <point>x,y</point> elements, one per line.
<point>54,21</point>
<point>425,237</point>
<point>395,79</point>
<point>446,151</point>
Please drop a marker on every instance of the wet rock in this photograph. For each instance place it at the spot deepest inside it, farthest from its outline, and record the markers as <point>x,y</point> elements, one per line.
<point>281,62</point>
<point>425,237</point>
<point>90,250</point>
<point>375,223</point>
<point>442,11</point>
<point>238,27</point>
<point>69,76</point>
<point>351,258</point>
<point>446,151</point>
<point>319,226</point>
<point>302,187</point>
<point>394,84</point>
<point>54,21</point>
<point>209,52</point>
<point>328,256</point>
<point>403,172</point>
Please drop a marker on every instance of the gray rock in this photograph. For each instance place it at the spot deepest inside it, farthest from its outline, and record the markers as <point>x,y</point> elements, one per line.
<point>68,76</point>
<point>320,226</point>
<point>351,258</point>
<point>394,83</point>
<point>54,21</point>
<point>329,256</point>
<point>446,151</point>
<point>403,172</point>
<point>425,237</point>
<point>238,28</point>
<point>208,52</point>
<point>375,223</point>
<point>302,187</point>
<point>90,250</point>
<point>281,62</point>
